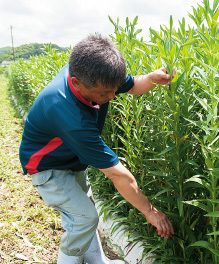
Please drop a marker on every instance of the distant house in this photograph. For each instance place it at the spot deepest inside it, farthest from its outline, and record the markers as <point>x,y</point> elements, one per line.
<point>5,63</point>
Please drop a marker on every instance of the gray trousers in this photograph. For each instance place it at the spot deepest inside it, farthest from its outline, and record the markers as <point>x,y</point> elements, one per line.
<point>67,191</point>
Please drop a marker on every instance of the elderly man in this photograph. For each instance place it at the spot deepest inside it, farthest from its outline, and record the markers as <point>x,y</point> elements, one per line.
<point>62,137</point>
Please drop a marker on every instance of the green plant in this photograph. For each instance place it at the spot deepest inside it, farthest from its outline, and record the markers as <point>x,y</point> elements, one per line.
<point>29,77</point>
<point>168,138</point>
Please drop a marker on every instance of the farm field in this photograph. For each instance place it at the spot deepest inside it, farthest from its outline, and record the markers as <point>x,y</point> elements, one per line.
<point>168,138</point>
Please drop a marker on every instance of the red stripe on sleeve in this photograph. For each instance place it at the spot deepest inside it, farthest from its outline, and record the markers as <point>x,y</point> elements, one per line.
<point>36,157</point>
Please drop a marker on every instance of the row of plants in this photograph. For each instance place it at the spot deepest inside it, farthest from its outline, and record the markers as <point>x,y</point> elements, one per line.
<point>28,77</point>
<point>168,138</point>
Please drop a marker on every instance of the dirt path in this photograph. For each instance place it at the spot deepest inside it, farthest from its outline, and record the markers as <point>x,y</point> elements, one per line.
<point>29,231</point>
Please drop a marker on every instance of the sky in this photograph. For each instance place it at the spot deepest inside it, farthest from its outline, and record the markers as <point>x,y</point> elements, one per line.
<point>66,22</point>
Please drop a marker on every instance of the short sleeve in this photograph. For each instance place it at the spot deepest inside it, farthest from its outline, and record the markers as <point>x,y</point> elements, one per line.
<point>127,85</point>
<point>89,147</point>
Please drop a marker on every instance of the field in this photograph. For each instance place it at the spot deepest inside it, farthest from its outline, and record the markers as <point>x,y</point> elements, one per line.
<point>168,138</point>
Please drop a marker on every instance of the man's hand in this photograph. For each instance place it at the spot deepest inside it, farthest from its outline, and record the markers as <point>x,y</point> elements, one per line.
<point>127,186</point>
<point>162,77</point>
<point>144,83</point>
<point>161,222</point>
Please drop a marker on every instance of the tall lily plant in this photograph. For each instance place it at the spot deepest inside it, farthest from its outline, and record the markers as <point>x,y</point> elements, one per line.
<point>169,137</point>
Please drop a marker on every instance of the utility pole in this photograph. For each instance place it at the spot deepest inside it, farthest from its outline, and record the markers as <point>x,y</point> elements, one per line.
<point>12,43</point>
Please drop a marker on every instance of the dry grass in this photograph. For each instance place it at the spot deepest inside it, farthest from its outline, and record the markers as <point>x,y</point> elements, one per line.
<point>29,231</point>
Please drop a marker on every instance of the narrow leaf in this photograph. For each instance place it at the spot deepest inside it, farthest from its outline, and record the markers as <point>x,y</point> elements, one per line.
<point>198,204</point>
<point>213,214</point>
<point>155,33</point>
<point>213,233</point>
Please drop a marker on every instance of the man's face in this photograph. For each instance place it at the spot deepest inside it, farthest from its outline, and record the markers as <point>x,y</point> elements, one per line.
<point>98,94</point>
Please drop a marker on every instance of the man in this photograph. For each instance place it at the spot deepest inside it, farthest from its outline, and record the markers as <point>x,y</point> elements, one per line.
<point>62,137</point>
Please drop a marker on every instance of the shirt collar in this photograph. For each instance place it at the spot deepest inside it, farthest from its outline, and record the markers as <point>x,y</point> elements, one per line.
<point>77,94</point>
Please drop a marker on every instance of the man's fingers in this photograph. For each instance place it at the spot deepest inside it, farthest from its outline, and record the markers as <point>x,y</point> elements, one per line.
<point>165,229</point>
<point>163,234</point>
<point>163,69</point>
<point>167,76</point>
<point>161,222</point>
<point>159,231</point>
<point>171,228</point>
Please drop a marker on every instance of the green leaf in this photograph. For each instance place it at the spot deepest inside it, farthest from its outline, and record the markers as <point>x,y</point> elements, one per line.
<point>189,231</point>
<point>135,21</point>
<point>194,223</point>
<point>110,19</point>
<point>213,233</point>
<point>173,52</point>
<point>192,163</point>
<point>204,38</point>
<point>189,185</point>
<point>190,42</point>
<point>155,33</point>
<point>201,243</point>
<point>161,192</point>
<point>201,181</point>
<point>215,5</point>
<point>166,150</point>
<point>213,200</point>
<point>171,23</point>
<point>176,217</point>
<point>206,245</point>
<point>197,203</point>
<point>180,205</point>
<point>159,173</point>
<point>151,44</point>
<point>214,251</point>
<point>209,163</point>
<point>213,214</point>
<point>170,102</point>
<point>203,103</point>
<point>127,21</point>
<point>138,31</point>
<point>180,79</point>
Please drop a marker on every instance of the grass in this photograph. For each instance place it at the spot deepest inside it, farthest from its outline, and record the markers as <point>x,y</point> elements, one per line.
<point>29,231</point>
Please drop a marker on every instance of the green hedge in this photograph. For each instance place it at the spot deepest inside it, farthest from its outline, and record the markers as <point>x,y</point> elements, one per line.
<point>29,77</point>
<point>168,138</point>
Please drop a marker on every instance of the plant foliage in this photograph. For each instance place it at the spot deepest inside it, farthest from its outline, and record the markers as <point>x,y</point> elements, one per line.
<point>169,139</point>
<point>29,77</point>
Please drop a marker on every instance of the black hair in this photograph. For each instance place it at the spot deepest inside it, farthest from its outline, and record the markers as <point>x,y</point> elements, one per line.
<point>97,59</point>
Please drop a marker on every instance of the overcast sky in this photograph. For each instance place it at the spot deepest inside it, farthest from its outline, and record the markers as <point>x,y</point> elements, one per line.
<point>65,22</point>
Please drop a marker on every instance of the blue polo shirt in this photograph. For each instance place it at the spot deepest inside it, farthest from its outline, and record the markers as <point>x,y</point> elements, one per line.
<point>62,130</point>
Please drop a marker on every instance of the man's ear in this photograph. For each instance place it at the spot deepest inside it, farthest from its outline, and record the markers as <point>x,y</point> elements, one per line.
<point>76,83</point>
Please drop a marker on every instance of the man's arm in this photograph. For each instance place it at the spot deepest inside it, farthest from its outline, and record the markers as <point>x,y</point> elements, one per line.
<point>144,83</point>
<point>127,186</point>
